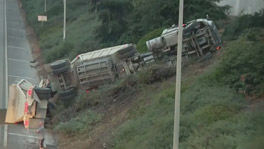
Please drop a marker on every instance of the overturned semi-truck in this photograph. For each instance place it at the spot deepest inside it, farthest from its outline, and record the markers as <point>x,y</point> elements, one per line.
<point>92,69</point>
<point>200,38</point>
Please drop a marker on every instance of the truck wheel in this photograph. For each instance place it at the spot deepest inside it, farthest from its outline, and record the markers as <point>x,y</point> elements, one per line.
<point>44,96</point>
<point>67,93</point>
<point>40,90</point>
<point>127,54</point>
<point>60,70</point>
<point>59,64</point>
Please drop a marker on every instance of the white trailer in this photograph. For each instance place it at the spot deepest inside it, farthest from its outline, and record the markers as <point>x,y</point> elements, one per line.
<point>92,69</point>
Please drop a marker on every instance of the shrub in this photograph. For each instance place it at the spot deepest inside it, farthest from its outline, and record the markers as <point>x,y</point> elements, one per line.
<point>141,45</point>
<point>242,64</point>
<point>79,125</point>
<point>240,24</point>
<point>155,72</point>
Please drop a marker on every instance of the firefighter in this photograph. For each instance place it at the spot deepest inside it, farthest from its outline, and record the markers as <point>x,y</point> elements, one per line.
<point>41,136</point>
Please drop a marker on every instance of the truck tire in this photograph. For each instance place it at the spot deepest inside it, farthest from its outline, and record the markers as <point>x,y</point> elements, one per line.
<point>40,90</point>
<point>44,96</point>
<point>67,93</point>
<point>60,70</point>
<point>59,64</point>
<point>127,54</point>
<point>68,98</point>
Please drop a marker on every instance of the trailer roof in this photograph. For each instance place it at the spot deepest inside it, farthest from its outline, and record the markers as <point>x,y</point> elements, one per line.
<point>100,53</point>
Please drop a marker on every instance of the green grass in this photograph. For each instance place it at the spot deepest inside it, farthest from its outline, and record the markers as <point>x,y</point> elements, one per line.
<point>242,64</point>
<point>203,106</point>
<point>242,23</point>
<point>81,124</point>
<point>141,45</point>
<point>214,113</point>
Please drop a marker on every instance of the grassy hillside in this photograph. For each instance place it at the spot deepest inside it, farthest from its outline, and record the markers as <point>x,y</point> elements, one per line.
<point>216,112</point>
<point>221,106</point>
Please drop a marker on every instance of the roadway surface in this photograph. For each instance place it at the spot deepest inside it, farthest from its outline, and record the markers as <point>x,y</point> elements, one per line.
<point>15,57</point>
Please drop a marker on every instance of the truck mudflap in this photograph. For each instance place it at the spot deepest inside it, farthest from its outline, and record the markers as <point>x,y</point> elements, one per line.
<point>25,106</point>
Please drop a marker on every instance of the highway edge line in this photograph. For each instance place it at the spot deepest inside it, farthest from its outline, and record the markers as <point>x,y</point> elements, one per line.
<point>6,73</point>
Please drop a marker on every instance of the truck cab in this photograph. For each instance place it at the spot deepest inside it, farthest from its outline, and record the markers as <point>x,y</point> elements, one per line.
<point>199,38</point>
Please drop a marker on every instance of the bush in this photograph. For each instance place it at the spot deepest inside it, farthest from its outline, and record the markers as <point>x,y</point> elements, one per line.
<point>141,45</point>
<point>242,23</point>
<point>79,125</point>
<point>215,112</point>
<point>155,72</point>
<point>242,64</point>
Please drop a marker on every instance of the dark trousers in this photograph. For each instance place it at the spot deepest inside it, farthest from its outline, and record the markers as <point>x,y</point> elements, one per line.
<point>41,143</point>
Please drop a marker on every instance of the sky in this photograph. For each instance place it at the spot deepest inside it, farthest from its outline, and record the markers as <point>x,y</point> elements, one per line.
<point>243,6</point>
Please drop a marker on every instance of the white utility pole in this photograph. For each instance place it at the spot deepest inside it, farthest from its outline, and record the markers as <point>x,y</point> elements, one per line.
<point>45,5</point>
<point>178,80</point>
<point>237,7</point>
<point>64,22</point>
<point>6,74</point>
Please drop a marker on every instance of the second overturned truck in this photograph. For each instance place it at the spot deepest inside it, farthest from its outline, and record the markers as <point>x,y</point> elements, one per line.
<point>92,69</point>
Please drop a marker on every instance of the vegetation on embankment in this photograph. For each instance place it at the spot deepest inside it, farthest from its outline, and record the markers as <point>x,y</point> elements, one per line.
<point>220,108</point>
<point>80,28</point>
<point>216,110</point>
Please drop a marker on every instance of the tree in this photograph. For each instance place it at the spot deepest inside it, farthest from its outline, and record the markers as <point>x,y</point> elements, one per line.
<point>119,24</point>
<point>112,14</point>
